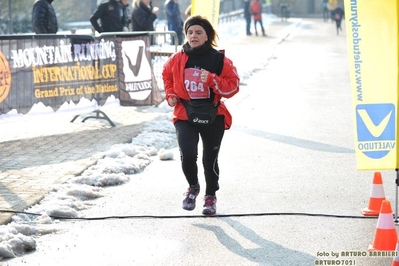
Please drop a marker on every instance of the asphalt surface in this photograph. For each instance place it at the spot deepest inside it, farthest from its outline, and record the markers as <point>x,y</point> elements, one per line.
<point>287,163</point>
<point>38,152</point>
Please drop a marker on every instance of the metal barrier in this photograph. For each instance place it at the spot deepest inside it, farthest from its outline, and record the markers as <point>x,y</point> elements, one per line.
<point>231,16</point>
<point>160,53</point>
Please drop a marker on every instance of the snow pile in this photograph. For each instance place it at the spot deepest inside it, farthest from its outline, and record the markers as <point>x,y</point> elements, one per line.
<point>114,167</point>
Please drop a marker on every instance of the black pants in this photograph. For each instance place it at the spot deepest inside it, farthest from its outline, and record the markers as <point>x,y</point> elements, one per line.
<point>338,25</point>
<point>261,26</point>
<point>248,25</point>
<point>188,138</point>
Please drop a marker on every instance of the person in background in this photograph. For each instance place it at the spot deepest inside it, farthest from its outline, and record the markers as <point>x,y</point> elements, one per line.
<point>200,65</point>
<point>268,5</point>
<point>44,19</point>
<point>175,23</point>
<point>111,17</point>
<point>337,15</point>
<point>256,11</point>
<point>285,6</point>
<point>331,6</point>
<point>143,15</point>
<point>126,14</point>
<point>247,15</point>
<point>325,10</point>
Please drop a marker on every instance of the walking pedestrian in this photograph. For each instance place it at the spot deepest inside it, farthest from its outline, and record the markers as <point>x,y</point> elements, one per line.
<point>331,6</point>
<point>143,15</point>
<point>111,17</point>
<point>268,6</point>
<point>285,9</point>
<point>325,10</point>
<point>175,22</point>
<point>44,19</point>
<point>195,80</point>
<point>337,15</point>
<point>256,11</point>
<point>248,17</point>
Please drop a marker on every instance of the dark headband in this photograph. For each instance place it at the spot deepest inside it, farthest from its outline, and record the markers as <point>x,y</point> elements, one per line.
<point>196,21</point>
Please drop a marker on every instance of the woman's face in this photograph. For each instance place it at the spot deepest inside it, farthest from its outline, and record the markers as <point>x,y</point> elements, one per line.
<point>196,36</point>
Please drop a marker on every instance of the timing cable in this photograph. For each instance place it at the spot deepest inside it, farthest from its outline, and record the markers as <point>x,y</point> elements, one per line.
<point>195,216</point>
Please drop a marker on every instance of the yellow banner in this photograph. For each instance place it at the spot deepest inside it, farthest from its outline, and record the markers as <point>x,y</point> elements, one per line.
<point>372,36</point>
<point>208,9</point>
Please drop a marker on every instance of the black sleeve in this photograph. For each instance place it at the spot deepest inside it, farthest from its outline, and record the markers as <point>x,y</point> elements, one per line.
<point>96,16</point>
<point>38,18</point>
<point>144,20</point>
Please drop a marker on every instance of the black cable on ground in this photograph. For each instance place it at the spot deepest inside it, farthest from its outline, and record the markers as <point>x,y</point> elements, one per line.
<point>195,216</point>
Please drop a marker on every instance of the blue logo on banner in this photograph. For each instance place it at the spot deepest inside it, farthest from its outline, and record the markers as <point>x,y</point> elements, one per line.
<point>376,129</point>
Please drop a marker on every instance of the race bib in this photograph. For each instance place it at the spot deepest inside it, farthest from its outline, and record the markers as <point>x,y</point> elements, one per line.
<point>195,88</point>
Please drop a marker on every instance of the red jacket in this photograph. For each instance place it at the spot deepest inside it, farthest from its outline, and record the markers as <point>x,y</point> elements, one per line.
<point>256,10</point>
<point>226,85</point>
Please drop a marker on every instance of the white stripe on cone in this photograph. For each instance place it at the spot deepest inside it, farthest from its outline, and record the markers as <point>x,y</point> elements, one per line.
<point>377,191</point>
<point>385,221</point>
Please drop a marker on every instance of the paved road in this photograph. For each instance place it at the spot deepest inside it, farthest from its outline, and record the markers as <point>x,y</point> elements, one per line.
<point>290,150</point>
<point>42,151</point>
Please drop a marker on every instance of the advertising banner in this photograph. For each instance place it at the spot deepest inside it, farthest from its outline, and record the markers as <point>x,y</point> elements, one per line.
<point>208,9</point>
<point>54,69</point>
<point>137,82</point>
<point>372,40</point>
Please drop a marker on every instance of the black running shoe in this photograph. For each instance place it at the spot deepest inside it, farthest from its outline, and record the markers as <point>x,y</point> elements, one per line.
<point>191,195</point>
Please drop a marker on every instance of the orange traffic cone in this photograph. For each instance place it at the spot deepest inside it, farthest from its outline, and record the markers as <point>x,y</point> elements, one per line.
<point>385,235</point>
<point>395,261</point>
<point>376,197</point>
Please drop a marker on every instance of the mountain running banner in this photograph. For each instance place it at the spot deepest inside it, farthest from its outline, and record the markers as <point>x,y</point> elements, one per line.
<point>208,9</point>
<point>372,39</point>
<point>55,69</point>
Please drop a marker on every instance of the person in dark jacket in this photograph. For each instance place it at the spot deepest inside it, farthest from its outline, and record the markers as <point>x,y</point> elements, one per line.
<point>111,17</point>
<point>175,23</point>
<point>248,16</point>
<point>44,19</point>
<point>143,15</point>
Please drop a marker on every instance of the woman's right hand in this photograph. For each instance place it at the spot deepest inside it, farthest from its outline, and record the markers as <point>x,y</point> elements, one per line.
<point>172,101</point>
